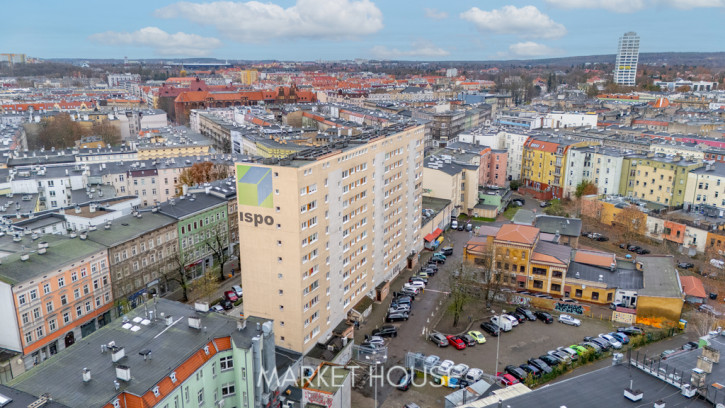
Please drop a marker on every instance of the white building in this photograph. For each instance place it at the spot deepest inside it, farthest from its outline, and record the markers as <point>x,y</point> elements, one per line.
<point>625,68</point>
<point>600,165</point>
<point>559,120</point>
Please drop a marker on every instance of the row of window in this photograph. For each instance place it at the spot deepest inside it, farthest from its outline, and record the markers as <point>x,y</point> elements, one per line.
<point>33,294</point>
<point>80,310</point>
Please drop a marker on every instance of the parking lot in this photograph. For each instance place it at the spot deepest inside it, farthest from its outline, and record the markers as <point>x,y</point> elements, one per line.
<point>528,340</point>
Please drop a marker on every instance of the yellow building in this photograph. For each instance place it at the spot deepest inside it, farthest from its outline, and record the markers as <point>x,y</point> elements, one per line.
<point>456,182</point>
<point>656,178</point>
<point>273,148</point>
<point>544,164</point>
<point>248,76</point>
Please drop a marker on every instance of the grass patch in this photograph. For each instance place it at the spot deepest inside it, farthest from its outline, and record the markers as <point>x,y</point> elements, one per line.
<point>238,302</point>
<point>483,219</point>
<point>510,212</point>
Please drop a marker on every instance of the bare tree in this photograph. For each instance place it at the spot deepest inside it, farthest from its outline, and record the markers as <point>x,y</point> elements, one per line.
<point>179,272</point>
<point>702,322</point>
<point>218,244</point>
<point>204,287</point>
<point>632,221</point>
<point>459,283</point>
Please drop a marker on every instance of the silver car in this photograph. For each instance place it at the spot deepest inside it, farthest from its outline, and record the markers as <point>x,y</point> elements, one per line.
<point>439,339</point>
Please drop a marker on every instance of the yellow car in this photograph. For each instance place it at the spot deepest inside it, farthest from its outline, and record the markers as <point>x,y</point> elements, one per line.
<point>478,336</point>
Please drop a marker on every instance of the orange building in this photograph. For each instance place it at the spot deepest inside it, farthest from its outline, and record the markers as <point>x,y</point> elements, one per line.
<point>52,293</point>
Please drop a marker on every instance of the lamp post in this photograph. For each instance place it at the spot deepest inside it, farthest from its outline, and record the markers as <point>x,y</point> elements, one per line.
<point>498,339</point>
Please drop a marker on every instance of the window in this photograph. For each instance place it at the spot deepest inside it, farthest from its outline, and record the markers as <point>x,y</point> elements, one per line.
<point>33,294</point>
<point>578,293</point>
<point>609,297</point>
<point>200,397</point>
<point>538,284</point>
<point>21,300</point>
<point>46,288</point>
<point>28,337</point>
<point>63,300</point>
<point>227,389</point>
<point>52,325</point>
<point>226,363</point>
<point>595,295</point>
<point>61,282</point>
<point>66,318</point>
<point>555,287</point>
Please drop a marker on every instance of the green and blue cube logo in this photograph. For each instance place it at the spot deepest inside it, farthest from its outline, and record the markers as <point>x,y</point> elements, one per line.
<point>254,186</point>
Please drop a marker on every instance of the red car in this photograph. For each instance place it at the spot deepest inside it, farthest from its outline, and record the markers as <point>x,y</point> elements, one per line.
<point>456,342</point>
<point>506,379</point>
<point>231,296</point>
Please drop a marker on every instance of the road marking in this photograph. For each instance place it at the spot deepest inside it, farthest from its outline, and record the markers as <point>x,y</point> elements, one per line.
<point>437,291</point>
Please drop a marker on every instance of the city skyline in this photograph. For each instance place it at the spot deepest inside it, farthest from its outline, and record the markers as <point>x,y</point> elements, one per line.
<point>347,29</point>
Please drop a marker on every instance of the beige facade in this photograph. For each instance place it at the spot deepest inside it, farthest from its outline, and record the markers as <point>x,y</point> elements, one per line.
<point>321,234</point>
<point>459,185</point>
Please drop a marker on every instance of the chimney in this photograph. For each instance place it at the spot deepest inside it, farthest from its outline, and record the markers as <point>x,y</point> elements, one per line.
<point>117,353</point>
<point>123,372</point>
<point>704,364</point>
<point>169,320</point>
<point>711,354</point>
<point>241,324</point>
<point>195,322</point>
<point>86,374</point>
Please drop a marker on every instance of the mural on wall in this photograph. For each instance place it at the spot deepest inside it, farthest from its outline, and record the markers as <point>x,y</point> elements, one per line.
<point>571,308</point>
<point>319,398</point>
<point>254,186</point>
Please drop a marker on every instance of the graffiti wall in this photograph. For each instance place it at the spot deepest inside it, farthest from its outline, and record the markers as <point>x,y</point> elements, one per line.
<point>571,308</point>
<point>624,317</point>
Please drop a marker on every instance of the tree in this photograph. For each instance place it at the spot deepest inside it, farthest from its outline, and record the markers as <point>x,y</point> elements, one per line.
<point>200,173</point>
<point>555,208</point>
<point>586,187</point>
<point>592,91</point>
<point>204,287</point>
<point>702,322</point>
<point>110,134</point>
<point>633,222</point>
<point>514,184</point>
<point>57,132</point>
<point>460,284</point>
<point>180,272</point>
<point>683,88</point>
<point>218,244</point>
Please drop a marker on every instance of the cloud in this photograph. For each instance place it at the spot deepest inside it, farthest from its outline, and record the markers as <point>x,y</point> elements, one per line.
<point>631,6</point>
<point>419,49</point>
<point>526,21</point>
<point>163,43</point>
<point>435,14</point>
<point>529,49</point>
<point>254,22</point>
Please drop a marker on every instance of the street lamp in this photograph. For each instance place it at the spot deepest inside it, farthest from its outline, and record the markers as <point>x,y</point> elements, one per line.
<point>498,339</point>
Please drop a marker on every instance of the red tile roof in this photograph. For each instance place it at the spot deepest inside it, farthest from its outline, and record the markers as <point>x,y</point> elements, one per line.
<point>692,286</point>
<point>522,234</point>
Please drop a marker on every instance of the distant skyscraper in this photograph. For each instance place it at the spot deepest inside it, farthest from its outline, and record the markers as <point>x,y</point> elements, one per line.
<point>625,70</point>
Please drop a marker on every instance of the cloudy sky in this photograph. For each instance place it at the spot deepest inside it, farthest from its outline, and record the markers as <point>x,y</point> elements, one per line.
<point>346,29</point>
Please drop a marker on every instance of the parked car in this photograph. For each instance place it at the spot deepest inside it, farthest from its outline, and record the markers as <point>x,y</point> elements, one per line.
<point>396,317</point>
<point>461,227</point>
<point>469,340</point>
<point>592,347</point>
<point>543,316</point>
<point>506,379</point>
<point>438,259</point>
<point>415,285</point>
<point>643,251</point>
<point>237,290</point>
<point>404,381</point>
<point>601,238</point>
<point>413,279</point>
<point>409,291</point>
<point>551,360</point>
<point>624,245</point>
<point>529,369</point>
<point>217,308</point>
<point>376,340</point>
<point>567,319</point>
<point>454,225</point>
<point>423,275</point>
<point>444,368</point>
<point>602,343</point>
<point>580,350</point>
<point>544,204</point>
<point>717,263</point>
<point>401,298</point>
<point>519,316</point>
<point>503,323</point>
<point>447,250</point>
<point>439,339</point>
<point>432,266</point>
<point>685,265</point>
<point>633,248</point>
<point>469,227</point>
<point>387,330</point>
<point>690,345</point>
<point>440,254</point>
<point>514,321</point>
<point>456,342</point>
<point>231,296</point>
<point>516,372</point>
<point>570,352</point>
<point>540,364</point>
<point>371,346</point>
<point>616,344</point>
<point>710,310</point>
<point>459,370</point>
<point>473,375</point>
<point>399,308</point>
<point>227,304</point>
<point>631,330</point>
<point>521,200</point>
<point>478,336</point>
<point>667,353</point>
<point>491,328</point>
<point>614,306</point>
<point>623,338</point>
<point>430,362</point>
<point>526,312</point>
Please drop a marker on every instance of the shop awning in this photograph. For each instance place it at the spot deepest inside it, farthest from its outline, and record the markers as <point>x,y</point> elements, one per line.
<point>433,235</point>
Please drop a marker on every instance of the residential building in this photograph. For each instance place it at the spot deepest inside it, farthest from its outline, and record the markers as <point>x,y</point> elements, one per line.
<point>598,165</point>
<point>703,189</point>
<point>201,218</point>
<point>656,178</point>
<point>316,258</point>
<point>694,289</point>
<point>625,67</point>
<point>141,250</point>
<point>544,165</point>
<point>454,181</point>
<point>125,81</point>
<point>54,293</point>
<point>169,354</point>
<point>568,229</point>
<point>248,76</point>
<point>134,120</point>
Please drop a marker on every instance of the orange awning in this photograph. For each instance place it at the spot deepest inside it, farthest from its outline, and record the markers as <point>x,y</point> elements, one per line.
<point>433,235</point>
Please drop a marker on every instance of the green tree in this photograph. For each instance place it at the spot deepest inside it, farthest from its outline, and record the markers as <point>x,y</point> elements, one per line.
<point>586,187</point>
<point>514,184</point>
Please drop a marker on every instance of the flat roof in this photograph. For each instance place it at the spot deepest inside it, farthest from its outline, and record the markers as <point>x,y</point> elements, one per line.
<point>129,227</point>
<point>329,378</point>
<point>60,376</point>
<point>660,276</point>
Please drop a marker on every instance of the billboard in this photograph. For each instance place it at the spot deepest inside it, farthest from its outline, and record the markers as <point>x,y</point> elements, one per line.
<point>254,186</point>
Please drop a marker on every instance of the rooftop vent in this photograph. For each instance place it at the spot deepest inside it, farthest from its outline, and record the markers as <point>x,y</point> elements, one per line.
<point>117,353</point>
<point>123,372</point>
<point>86,374</point>
<point>195,322</point>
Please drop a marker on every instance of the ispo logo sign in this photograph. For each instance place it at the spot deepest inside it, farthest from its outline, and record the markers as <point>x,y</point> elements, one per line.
<point>254,186</point>
<point>256,218</point>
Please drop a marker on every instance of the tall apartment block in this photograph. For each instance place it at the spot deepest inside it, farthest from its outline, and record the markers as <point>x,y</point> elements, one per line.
<point>320,230</point>
<point>625,68</point>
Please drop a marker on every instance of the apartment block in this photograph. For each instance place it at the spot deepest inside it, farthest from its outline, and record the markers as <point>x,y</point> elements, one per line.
<point>544,165</point>
<point>53,294</point>
<point>705,188</point>
<point>319,231</point>
<point>656,178</point>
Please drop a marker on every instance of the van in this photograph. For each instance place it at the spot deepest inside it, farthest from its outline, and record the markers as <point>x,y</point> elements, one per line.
<point>717,263</point>
<point>454,224</point>
<point>469,227</point>
<point>503,323</point>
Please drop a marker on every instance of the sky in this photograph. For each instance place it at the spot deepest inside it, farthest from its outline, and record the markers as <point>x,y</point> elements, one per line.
<point>308,30</point>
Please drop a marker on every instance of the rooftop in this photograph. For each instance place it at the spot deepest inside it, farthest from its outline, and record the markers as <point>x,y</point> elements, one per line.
<point>551,252</point>
<point>692,286</point>
<point>188,205</point>
<point>129,227</point>
<point>171,345</point>
<point>520,234</point>
<point>571,227</point>
<point>623,276</point>
<point>660,276</point>
<point>328,378</point>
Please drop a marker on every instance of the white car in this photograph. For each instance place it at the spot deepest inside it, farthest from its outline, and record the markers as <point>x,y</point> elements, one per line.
<point>217,308</point>
<point>567,319</point>
<point>444,368</point>
<point>431,362</point>
<point>238,290</point>
<point>376,340</point>
<point>514,321</point>
<point>570,351</point>
<point>416,284</point>
<point>459,370</point>
<point>474,375</point>
<point>614,342</point>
